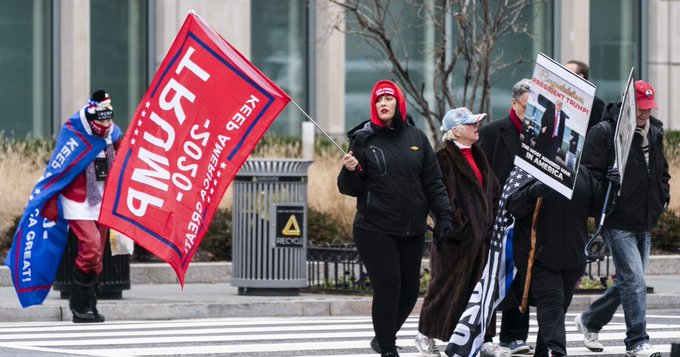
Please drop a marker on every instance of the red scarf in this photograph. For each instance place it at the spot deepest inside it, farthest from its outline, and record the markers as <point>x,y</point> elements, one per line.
<point>516,120</point>
<point>467,152</point>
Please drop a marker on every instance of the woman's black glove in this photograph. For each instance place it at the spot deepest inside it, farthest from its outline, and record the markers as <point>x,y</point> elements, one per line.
<point>443,231</point>
<point>538,189</point>
<point>614,177</point>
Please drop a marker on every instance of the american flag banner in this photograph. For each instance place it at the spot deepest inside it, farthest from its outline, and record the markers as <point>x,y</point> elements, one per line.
<point>496,279</point>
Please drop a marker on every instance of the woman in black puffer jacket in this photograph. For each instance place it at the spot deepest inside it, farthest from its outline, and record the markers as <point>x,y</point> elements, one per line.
<point>392,171</point>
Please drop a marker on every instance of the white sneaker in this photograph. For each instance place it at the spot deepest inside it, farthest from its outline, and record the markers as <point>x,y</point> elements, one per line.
<point>490,349</point>
<point>590,339</point>
<point>643,350</point>
<point>426,346</point>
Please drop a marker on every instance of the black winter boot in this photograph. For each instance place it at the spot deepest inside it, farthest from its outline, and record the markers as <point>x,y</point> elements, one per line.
<point>83,302</point>
<point>93,302</point>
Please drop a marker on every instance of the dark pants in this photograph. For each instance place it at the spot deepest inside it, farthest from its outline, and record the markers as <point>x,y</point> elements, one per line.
<point>552,292</point>
<point>393,265</point>
<point>514,324</point>
<point>490,328</point>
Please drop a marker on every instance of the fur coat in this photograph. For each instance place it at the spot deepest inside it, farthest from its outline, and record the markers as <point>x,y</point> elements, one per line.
<point>457,267</point>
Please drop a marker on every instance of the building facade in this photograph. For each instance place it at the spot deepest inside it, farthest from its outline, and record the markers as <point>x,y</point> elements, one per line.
<point>54,53</point>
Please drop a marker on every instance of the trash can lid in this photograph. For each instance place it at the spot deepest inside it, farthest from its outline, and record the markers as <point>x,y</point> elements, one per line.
<point>274,167</point>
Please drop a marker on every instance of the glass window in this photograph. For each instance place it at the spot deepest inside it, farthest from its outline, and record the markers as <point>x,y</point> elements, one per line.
<point>26,68</point>
<point>118,53</point>
<point>278,49</point>
<point>614,46</point>
<point>524,47</point>
<point>365,65</point>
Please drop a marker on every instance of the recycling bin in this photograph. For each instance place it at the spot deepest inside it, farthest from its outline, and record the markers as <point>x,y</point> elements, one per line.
<point>269,227</point>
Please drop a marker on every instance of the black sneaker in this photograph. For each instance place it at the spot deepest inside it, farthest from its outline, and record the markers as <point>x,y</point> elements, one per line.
<point>390,354</point>
<point>85,316</point>
<point>375,346</point>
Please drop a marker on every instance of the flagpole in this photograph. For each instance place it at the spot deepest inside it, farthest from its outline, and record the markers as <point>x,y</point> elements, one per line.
<point>318,126</point>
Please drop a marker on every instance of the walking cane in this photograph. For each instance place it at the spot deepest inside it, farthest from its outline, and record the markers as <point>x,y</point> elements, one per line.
<point>532,253</point>
<point>595,249</point>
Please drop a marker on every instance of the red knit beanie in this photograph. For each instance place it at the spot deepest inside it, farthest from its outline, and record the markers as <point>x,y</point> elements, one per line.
<point>387,87</point>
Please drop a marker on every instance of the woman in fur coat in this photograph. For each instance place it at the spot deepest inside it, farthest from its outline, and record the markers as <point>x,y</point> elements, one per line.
<point>457,264</point>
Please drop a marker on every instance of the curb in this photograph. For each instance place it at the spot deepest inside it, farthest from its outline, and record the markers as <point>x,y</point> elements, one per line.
<point>217,301</point>
<point>157,295</point>
<point>198,273</point>
<point>272,307</point>
<point>220,272</point>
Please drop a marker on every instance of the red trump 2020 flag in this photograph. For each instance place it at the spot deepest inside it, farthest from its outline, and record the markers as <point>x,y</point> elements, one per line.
<point>199,120</point>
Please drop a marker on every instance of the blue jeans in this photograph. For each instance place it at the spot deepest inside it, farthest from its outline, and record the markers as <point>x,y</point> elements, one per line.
<point>630,252</point>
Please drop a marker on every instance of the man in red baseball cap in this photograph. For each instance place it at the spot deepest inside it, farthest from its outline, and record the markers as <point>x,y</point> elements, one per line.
<point>644,95</point>
<point>644,99</point>
<point>638,204</point>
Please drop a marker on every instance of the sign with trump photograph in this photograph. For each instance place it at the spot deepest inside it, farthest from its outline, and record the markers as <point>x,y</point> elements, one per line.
<point>554,125</point>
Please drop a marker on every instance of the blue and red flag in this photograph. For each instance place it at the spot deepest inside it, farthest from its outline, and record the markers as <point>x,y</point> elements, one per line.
<point>38,242</point>
<point>205,110</point>
<point>492,287</point>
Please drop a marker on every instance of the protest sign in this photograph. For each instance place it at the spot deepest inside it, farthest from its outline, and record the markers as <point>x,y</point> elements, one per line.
<point>625,125</point>
<point>554,125</point>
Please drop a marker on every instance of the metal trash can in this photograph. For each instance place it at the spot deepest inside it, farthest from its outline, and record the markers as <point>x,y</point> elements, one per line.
<point>269,227</point>
<point>112,281</point>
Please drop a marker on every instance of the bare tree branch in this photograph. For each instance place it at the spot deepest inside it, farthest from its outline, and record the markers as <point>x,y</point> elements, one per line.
<point>469,51</point>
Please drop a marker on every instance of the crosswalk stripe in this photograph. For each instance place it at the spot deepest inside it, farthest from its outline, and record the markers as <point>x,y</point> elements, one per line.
<point>614,332</point>
<point>327,337</point>
<point>208,335</point>
<point>256,321</point>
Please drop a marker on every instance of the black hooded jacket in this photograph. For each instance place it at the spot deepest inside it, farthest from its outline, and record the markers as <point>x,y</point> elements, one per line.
<point>400,181</point>
<point>562,225</point>
<point>645,189</point>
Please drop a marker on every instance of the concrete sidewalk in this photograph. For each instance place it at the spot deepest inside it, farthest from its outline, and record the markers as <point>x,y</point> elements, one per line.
<point>209,294</point>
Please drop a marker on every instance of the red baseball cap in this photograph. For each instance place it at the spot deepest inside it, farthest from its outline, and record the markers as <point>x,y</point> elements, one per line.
<point>644,96</point>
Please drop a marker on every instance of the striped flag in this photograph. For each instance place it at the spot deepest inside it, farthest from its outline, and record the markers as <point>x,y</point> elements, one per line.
<point>496,279</point>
